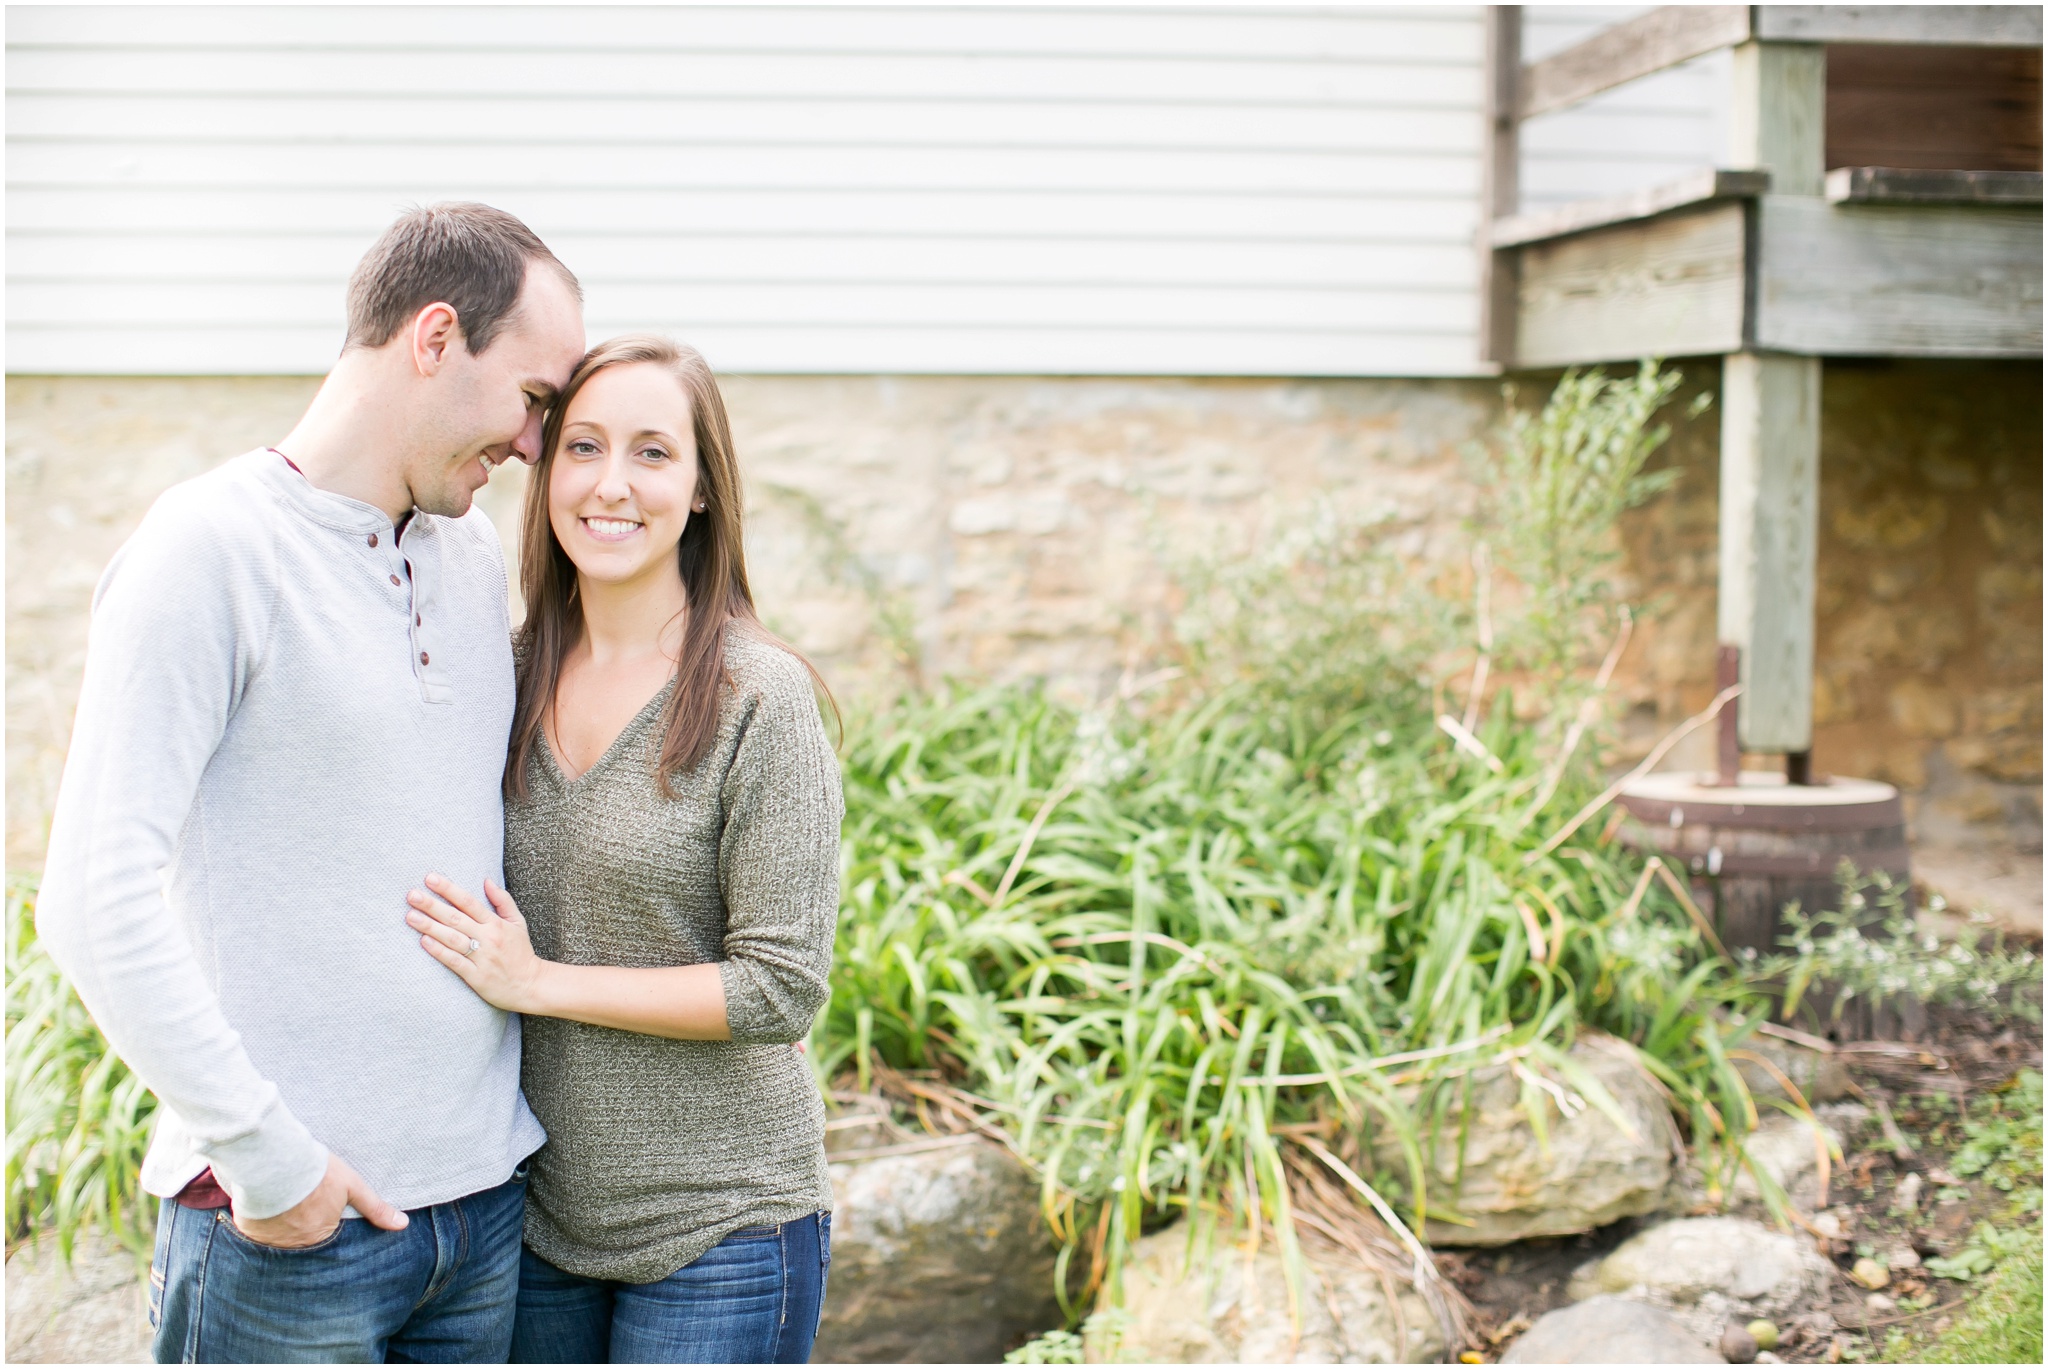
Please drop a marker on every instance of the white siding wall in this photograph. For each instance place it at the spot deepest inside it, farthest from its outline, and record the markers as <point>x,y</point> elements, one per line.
<point>1636,136</point>
<point>861,189</point>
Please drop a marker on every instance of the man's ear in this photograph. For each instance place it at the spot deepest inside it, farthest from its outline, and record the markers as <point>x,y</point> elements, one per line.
<point>435,330</point>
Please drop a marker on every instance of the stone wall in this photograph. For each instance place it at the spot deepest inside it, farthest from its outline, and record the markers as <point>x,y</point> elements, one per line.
<point>1928,660</point>
<point>1014,526</point>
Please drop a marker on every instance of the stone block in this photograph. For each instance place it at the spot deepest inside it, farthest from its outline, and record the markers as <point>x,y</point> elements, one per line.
<point>1224,1306</point>
<point>937,1256</point>
<point>1607,1330</point>
<point>1711,1271</point>
<point>1923,709</point>
<point>1503,1185</point>
<point>93,1310</point>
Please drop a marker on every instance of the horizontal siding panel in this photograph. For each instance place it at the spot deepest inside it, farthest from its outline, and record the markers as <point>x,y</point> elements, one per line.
<point>601,262</point>
<point>1129,217</point>
<point>295,72</point>
<point>422,169</point>
<point>1414,34</point>
<point>901,304</point>
<point>555,121</point>
<point>1011,351</point>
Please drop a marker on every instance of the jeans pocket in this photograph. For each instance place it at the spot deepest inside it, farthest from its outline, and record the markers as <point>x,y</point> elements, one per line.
<point>824,1240</point>
<point>753,1233</point>
<point>248,1242</point>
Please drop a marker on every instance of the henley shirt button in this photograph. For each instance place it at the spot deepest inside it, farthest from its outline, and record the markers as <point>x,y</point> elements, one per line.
<point>395,580</point>
<point>373,539</point>
<point>415,620</point>
<point>423,658</point>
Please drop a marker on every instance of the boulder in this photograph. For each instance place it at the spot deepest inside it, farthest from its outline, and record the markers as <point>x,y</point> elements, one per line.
<point>938,1255</point>
<point>1608,1330</point>
<point>1711,1272</point>
<point>1591,1173</point>
<point>1220,1306</point>
<point>1785,1148</point>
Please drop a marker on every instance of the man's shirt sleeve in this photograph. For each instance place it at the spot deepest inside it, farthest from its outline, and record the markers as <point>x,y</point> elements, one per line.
<point>178,624</point>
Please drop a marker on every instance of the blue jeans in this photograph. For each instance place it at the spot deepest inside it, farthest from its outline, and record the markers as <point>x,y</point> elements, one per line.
<point>754,1298</point>
<point>442,1291</point>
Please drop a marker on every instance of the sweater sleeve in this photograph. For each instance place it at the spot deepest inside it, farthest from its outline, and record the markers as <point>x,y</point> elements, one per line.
<point>778,858</point>
<point>177,625</point>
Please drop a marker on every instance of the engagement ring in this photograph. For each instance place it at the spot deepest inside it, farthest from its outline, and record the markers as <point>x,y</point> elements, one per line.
<point>474,946</point>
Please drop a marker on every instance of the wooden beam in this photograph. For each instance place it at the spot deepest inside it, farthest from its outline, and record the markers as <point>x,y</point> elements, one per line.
<point>1935,280</point>
<point>1701,187</point>
<point>1668,286</point>
<point>1770,514</point>
<point>1898,185</point>
<point>1501,189</point>
<point>1614,56</point>
<point>2016,26</point>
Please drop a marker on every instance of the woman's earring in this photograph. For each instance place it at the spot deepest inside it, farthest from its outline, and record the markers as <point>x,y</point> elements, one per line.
<point>699,506</point>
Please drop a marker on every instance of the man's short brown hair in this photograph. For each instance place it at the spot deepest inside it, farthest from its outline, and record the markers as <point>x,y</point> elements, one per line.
<point>469,256</point>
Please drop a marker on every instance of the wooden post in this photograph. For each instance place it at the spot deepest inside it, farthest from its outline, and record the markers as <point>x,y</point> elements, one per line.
<point>1501,175</point>
<point>1770,425</point>
<point>1770,495</point>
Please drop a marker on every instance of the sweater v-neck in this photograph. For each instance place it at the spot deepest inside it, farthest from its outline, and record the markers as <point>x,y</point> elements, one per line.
<point>626,734</point>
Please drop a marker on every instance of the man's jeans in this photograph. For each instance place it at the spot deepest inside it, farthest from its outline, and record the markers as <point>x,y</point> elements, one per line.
<point>442,1291</point>
<point>754,1298</point>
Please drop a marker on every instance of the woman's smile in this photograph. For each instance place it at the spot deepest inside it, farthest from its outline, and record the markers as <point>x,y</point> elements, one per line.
<point>611,529</point>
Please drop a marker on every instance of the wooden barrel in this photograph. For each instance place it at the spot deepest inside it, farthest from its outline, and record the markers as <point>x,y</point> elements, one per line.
<point>1754,848</point>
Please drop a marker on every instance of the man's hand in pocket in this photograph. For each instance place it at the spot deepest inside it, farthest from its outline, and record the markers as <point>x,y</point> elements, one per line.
<point>318,1214</point>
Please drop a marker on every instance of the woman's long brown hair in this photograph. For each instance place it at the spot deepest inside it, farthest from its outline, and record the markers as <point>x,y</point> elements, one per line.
<point>711,558</point>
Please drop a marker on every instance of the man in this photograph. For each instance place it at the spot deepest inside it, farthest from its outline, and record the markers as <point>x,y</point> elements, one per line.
<point>296,700</point>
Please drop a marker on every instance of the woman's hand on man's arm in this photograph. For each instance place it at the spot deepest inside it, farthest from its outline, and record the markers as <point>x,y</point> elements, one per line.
<point>684,1002</point>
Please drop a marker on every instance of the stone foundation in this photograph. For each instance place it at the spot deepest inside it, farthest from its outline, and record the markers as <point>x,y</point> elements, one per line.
<point>1009,526</point>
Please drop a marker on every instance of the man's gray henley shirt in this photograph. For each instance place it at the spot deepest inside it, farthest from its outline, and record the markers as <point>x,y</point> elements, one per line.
<point>289,716</point>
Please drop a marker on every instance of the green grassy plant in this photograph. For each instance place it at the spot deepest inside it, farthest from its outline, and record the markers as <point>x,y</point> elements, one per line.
<point>77,1121</point>
<point>1156,947</point>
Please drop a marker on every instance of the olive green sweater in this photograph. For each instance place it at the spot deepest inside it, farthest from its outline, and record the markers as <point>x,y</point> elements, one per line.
<point>658,1149</point>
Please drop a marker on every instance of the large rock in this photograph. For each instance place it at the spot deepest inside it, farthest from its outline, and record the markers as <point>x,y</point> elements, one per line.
<point>940,1255</point>
<point>1788,1149</point>
<point>1712,1271</point>
<point>93,1310</point>
<point>1609,1330</point>
<point>1591,1173</point>
<point>1220,1307</point>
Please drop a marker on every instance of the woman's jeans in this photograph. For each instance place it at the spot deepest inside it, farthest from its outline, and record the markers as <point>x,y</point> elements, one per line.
<point>754,1298</point>
<point>439,1292</point>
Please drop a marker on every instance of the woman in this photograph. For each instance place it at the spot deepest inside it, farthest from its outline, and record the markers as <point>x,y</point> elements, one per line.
<point>671,861</point>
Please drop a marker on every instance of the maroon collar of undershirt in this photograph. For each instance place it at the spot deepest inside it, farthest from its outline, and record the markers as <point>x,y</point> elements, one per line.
<point>398,529</point>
